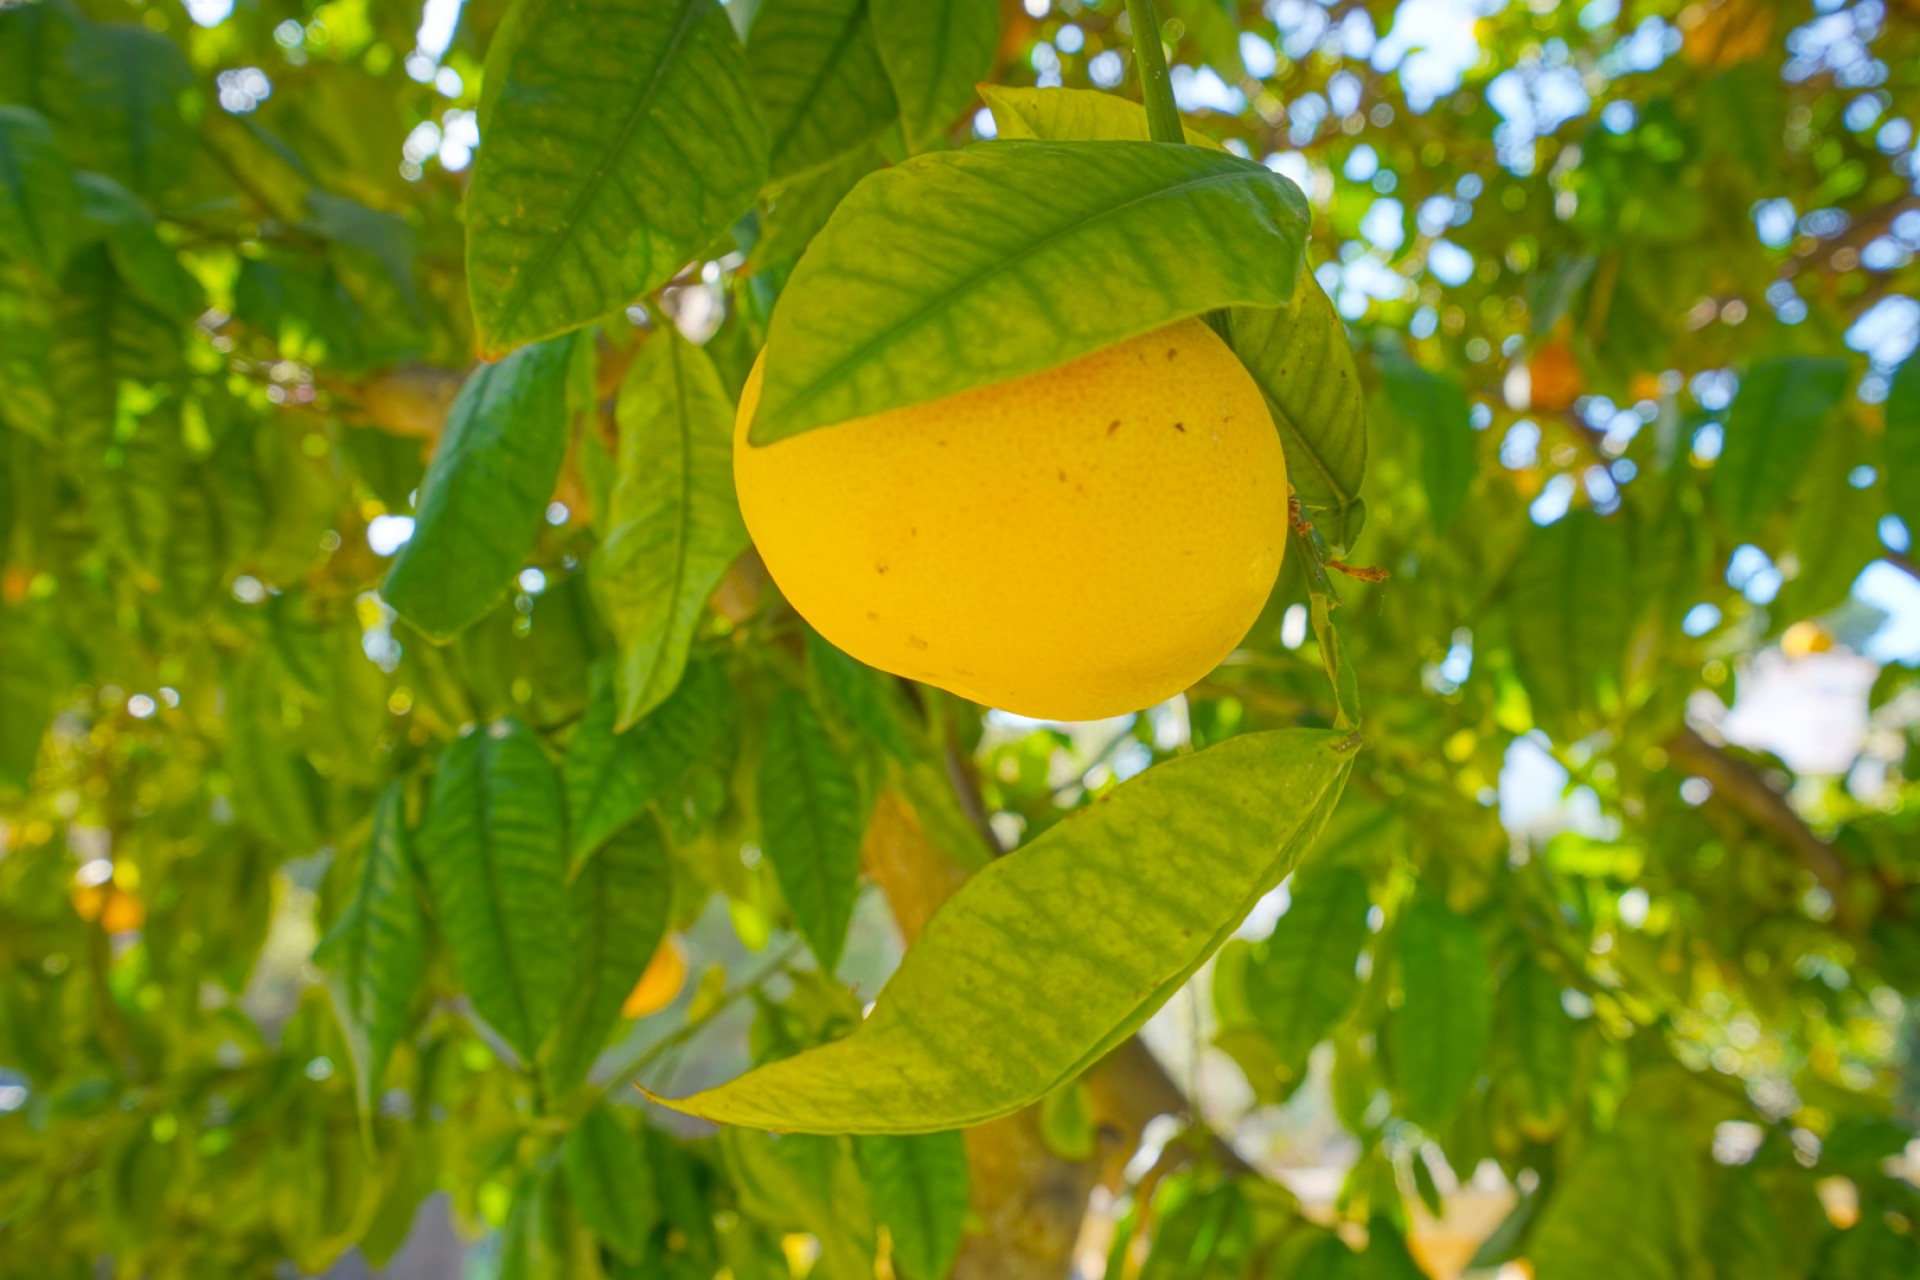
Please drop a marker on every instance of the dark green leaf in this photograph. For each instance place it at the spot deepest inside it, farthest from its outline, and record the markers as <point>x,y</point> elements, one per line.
<point>1435,409</point>
<point>133,99</point>
<point>1903,441</point>
<point>621,138</point>
<point>1536,1046</point>
<point>26,348</point>
<point>143,260</point>
<point>1299,355</point>
<point>811,824</point>
<point>918,1183</point>
<point>818,74</point>
<point>674,527</point>
<point>1303,977</point>
<point>486,492</point>
<point>1570,609</point>
<point>855,695</point>
<point>493,848</point>
<point>610,1181</point>
<point>967,268</point>
<point>38,204</point>
<point>1770,434</point>
<point>1007,996</point>
<point>386,238</point>
<point>617,907</point>
<point>29,681</point>
<point>376,952</point>
<point>935,51</point>
<point>1440,1031</point>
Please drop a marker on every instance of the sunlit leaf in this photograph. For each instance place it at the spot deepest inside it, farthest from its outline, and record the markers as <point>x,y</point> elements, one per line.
<point>1441,1029</point>
<point>377,951</point>
<point>486,492</point>
<point>674,526</point>
<point>962,269</point>
<point>621,138</point>
<point>1072,115</point>
<point>1006,996</point>
<point>1770,435</point>
<point>811,824</point>
<point>817,72</point>
<point>38,202</point>
<point>610,1181</point>
<point>492,846</point>
<point>918,1184</point>
<point>934,51</point>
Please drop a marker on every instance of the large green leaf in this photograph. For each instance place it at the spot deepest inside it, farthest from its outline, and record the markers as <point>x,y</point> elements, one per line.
<point>1536,1047</point>
<point>133,105</point>
<point>617,908</point>
<point>1903,442</point>
<point>674,526</point>
<point>376,952</point>
<point>967,268</point>
<point>811,825</point>
<point>817,70</point>
<point>610,1181</point>
<point>935,51</point>
<point>482,503</point>
<point>1072,115</point>
<point>492,845</point>
<point>1299,355</point>
<point>1440,1031</point>
<point>1302,978</point>
<point>612,777</point>
<point>621,139</point>
<point>102,335</point>
<point>1836,527</point>
<point>918,1184</point>
<point>1770,434</point>
<point>1048,958</point>
<point>1434,407</point>
<point>1570,608</point>
<point>143,260</point>
<point>38,203</point>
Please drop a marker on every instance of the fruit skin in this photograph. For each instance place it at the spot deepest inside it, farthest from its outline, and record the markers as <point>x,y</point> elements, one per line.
<point>1078,543</point>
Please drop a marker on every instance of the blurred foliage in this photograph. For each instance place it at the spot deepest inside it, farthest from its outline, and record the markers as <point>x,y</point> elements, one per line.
<point>304,918</point>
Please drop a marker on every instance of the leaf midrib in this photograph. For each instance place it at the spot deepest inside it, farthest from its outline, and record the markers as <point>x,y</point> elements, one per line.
<point>518,295</point>
<point>915,320</point>
<point>805,101</point>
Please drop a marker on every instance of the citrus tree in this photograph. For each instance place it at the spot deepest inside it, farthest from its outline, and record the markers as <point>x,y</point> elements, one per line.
<point>513,517</point>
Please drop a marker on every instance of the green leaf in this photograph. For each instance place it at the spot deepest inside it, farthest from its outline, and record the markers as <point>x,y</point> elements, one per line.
<point>492,845</point>
<point>1440,1032</point>
<point>375,954</point>
<point>1204,1234</point>
<point>1903,441</point>
<point>857,697</point>
<point>534,1242</point>
<point>1770,435</point>
<point>1570,607</point>
<point>1214,29</point>
<point>811,825</point>
<point>386,238</point>
<point>610,1181</point>
<point>818,74</point>
<point>485,496</point>
<point>1072,115</point>
<point>611,777</point>
<point>675,526</point>
<point>38,203</point>
<point>1299,355</point>
<point>967,268</point>
<point>30,686</point>
<point>1434,407</point>
<point>621,138</point>
<point>804,1182</point>
<point>133,96</point>
<point>1536,1045</point>
<point>1009,994</point>
<point>918,1183</point>
<point>800,209</point>
<point>1302,978</point>
<point>617,907</point>
<point>26,347</point>
<point>143,260</point>
<point>102,335</point>
<point>935,51</point>
<point>1836,527</point>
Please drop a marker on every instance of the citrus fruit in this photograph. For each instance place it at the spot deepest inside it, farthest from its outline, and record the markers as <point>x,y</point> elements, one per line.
<point>665,974</point>
<point>1078,543</point>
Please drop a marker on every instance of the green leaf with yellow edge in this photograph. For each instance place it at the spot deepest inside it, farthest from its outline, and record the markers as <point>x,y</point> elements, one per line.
<point>674,526</point>
<point>1073,115</point>
<point>486,492</point>
<point>817,71</point>
<point>376,953</point>
<point>935,51</point>
<point>1051,956</point>
<point>1771,430</point>
<point>492,846</point>
<point>622,138</point>
<point>918,1184</point>
<point>962,269</point>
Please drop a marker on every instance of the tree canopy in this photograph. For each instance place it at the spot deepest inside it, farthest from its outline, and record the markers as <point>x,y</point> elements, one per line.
<point>404,754</point>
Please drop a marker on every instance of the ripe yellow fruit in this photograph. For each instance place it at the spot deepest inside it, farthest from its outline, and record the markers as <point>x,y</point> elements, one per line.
<point>665,974</point>
<point>1078,543</point>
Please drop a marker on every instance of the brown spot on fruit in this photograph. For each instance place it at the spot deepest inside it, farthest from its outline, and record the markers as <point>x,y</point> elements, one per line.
<point>880,567</point>
<point>1181,427</point>
<point>1113,426</point>
<point>1172,352</point>
<point>916,642</point>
